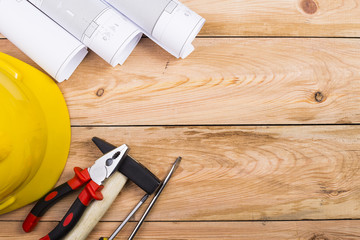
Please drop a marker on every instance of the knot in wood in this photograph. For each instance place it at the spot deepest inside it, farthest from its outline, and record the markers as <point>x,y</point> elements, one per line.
<point>319,237</point>
<point>319,97</point>
<point>100,92</point>
<point>309,6</point>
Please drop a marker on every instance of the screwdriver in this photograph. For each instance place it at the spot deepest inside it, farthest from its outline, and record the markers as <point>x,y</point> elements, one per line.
<point>153,201</point>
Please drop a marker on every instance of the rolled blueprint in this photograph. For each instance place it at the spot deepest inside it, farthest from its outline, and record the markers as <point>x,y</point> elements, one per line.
<point>49,45</point>
<point>168,22</point>
<point>97,25</point>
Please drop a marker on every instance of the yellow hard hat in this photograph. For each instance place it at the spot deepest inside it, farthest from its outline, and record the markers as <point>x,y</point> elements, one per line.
<point>34,133</point>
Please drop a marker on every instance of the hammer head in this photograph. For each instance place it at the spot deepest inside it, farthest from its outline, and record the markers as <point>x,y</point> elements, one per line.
<point>132,169</point>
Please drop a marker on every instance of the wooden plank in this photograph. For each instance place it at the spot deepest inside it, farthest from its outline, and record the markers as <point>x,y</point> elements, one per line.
<point>225,81</point>
<point>233,173</point>
<point>304,230</point>
<point>336,18</point>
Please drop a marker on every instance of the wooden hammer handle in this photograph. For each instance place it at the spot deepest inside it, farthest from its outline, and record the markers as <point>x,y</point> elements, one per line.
<point>97,209</point>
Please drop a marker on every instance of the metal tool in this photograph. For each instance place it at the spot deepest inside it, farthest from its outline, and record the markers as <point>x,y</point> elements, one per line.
<point>93,177</point>
<point>132,169</point>
<point>172,170</point>
<point>144,198</point>
<point>153,201</point>
<point>128,169</point>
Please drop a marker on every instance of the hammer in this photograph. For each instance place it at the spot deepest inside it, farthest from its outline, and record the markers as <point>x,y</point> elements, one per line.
<point>129,169</point>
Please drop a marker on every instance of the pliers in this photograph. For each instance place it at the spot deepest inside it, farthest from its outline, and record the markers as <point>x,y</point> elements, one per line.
<point>93,177</point>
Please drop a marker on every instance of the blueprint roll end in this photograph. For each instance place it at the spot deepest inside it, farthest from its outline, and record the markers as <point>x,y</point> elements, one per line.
<point>178,26</point>
<point>71,64</point>
<point>188,47</point>
<point>113,37</point>
<point>126,49</point>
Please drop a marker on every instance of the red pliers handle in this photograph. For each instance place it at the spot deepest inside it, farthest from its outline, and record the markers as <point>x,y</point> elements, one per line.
<point>90,192</point>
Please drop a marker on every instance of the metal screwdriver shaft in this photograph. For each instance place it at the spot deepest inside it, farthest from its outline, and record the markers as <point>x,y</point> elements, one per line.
<point>129,216</point>
<point>162,186</point>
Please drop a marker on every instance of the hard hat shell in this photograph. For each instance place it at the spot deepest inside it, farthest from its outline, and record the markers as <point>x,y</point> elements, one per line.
<point>34,133</point>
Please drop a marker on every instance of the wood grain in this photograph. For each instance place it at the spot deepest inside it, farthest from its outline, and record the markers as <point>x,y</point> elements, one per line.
<point>225,81</point>
<point>335,18</point>
<point>304,230</point>
<point>230,176</point>
<point>233,173</point>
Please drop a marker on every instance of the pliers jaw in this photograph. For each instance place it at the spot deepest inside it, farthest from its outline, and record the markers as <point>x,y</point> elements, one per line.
<point>105,166</point>
<point>92,178</point>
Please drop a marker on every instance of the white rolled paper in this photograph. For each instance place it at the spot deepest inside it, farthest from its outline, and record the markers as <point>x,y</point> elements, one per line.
<point>104,30</point>
<point>49,45</point>
<point>168,22</point>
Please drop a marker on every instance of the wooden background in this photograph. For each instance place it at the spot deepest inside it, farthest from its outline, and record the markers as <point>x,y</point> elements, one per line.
<point>265,114</point>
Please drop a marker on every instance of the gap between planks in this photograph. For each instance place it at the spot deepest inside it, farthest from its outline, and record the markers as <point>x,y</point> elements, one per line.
<point>217,125</point>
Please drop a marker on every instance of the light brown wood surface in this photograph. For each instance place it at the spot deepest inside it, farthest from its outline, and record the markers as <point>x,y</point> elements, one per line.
<point>261,173</point>
<point>303,230</point>
<point>242,81</point>
<point>330,18</point>
<point>265,114</point>
<point>309,18</point>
